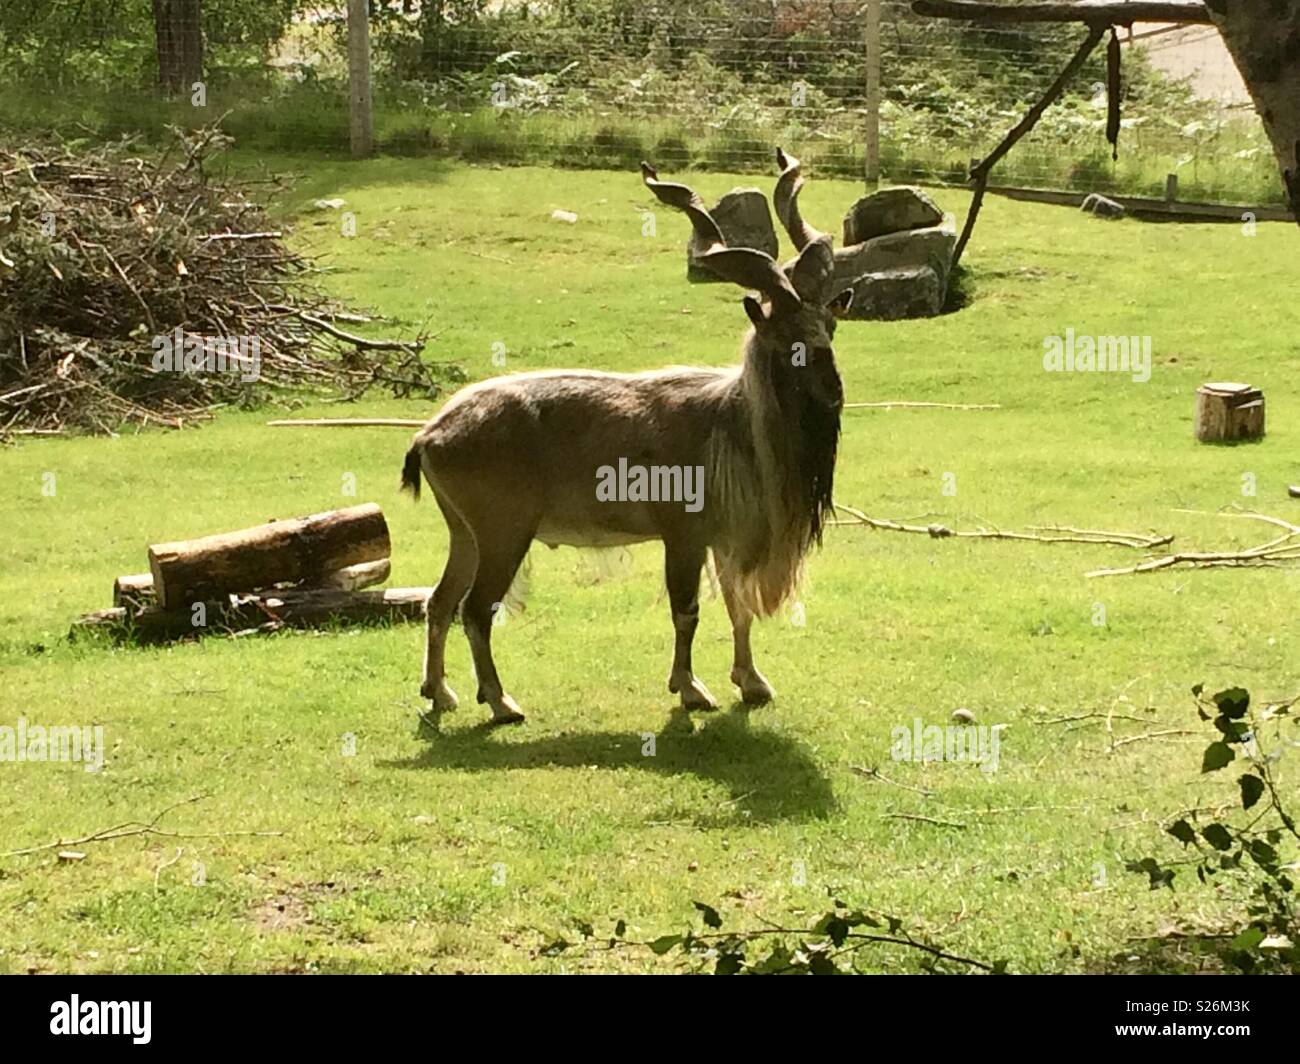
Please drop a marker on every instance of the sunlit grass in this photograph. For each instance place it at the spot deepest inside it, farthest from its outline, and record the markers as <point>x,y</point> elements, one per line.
<point>472,850</point>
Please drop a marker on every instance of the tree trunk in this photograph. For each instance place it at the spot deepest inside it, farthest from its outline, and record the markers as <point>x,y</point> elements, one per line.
<point>301,550</point>
<point>1264,39</point>
<point>178,31</point>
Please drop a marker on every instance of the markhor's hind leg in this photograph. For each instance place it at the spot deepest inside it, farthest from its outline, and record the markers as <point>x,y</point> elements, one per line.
<point>498,562</point>
<point>457,576</point>
<point>682,565</point>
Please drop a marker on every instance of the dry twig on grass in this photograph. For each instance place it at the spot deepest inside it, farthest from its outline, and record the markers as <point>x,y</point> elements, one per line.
<point>921,819</point>
<point>880,777</point>
<point>1059,533</point>
<point>139,827</point>
<point>1273,554</point>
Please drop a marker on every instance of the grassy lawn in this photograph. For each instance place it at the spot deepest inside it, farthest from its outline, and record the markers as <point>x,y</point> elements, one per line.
<point>470,851</point>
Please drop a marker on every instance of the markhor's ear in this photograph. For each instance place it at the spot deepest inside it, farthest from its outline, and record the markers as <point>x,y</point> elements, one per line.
<point>755,311</point>
<point>839,306</point>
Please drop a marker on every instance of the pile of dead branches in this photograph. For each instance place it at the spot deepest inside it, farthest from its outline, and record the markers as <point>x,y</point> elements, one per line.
<point>136,287</point>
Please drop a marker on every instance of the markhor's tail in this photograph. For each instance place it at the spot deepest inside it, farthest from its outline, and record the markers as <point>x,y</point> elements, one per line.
<point>411,472</point>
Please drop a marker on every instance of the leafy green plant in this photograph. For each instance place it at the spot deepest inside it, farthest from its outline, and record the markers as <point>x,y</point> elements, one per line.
<point>1251,853</point>
<point>831,945</point>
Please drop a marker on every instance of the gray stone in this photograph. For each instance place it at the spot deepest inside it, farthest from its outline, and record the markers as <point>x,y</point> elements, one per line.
<point>891,210</point>
<point>890,295</point>
<point>932,247</point>
<point>1099,205</point>
<point>746,222</point>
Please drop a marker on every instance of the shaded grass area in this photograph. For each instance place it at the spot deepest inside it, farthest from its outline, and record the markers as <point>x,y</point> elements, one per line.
<point>471,850</point>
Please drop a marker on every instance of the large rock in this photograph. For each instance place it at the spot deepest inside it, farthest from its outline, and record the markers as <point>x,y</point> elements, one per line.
<point>889,295</point>
<point>891,210</point>
<point>932,247</point>
<point>746,222</point>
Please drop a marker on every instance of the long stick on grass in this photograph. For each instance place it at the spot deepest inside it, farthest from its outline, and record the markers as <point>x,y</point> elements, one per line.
<point>137,827</point>
<point>1071,535</point>
<point>1271,554</point>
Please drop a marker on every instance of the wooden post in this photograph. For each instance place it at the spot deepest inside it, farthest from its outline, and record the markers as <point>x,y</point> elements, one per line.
<point>1229,411</point>
<point>363,137</point>
<point>871,134</point>
<point>1171,188</point>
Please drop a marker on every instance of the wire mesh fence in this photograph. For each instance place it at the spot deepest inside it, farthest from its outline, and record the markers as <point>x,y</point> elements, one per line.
<point>710,84</point>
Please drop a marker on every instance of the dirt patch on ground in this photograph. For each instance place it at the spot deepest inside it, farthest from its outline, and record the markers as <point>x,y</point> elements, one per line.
<point>284,912</point>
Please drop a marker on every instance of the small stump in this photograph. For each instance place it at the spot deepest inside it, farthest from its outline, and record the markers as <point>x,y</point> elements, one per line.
<point>1229,411</point>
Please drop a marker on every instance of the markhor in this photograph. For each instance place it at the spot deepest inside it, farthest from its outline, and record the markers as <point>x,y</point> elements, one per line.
<point>102,1017</point>
<point>651,484</point>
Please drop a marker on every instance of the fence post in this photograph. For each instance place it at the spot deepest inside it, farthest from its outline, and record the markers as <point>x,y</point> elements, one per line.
<point>871,140</point>
<point>362,123</point>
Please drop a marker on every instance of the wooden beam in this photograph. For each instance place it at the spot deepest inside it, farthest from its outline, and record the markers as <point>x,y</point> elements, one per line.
<point>359,86</point>
<point>1091,12</point>
<point>1178,210</point>
<point>871,131</point>
<point>980,171</point>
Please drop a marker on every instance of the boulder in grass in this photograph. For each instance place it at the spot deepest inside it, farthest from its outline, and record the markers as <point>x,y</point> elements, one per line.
<point>891,295</point>
<point>891,210</point>
<point>1099,205</point>
<point>746,222</point>
<point>932,247</point>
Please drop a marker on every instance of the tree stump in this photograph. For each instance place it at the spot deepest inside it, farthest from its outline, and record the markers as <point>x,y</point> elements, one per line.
<point>302,550</point>
<point>1229,411</point>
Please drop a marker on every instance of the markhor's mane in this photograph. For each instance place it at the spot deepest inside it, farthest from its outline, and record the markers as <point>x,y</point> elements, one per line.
<point>770,473</point>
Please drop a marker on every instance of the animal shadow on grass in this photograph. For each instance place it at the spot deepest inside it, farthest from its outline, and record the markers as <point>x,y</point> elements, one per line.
<point>770,776</point>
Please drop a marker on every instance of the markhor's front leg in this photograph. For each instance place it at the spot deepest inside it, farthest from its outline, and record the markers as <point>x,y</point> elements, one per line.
<point>754,688</point>
<point>683,564</point>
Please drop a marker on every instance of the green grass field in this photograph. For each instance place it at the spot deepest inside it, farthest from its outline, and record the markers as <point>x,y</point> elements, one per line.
<point>470,851</point>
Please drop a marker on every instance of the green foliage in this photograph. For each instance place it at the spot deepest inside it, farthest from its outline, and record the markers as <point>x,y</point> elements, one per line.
<point>831,945</point>
<point>109,44</point>
<point>1248,852</point>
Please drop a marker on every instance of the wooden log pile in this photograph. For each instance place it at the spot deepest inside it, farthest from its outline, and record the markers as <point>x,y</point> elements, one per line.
<point>297,573</point>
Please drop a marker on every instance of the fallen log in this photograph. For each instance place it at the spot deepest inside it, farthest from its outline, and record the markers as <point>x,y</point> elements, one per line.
<point>300,550</point>
<point>266,612</point>
<point>136,591</point>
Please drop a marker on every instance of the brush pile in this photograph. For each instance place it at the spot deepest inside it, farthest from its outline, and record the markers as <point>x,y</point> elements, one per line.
<point>136,287</point>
